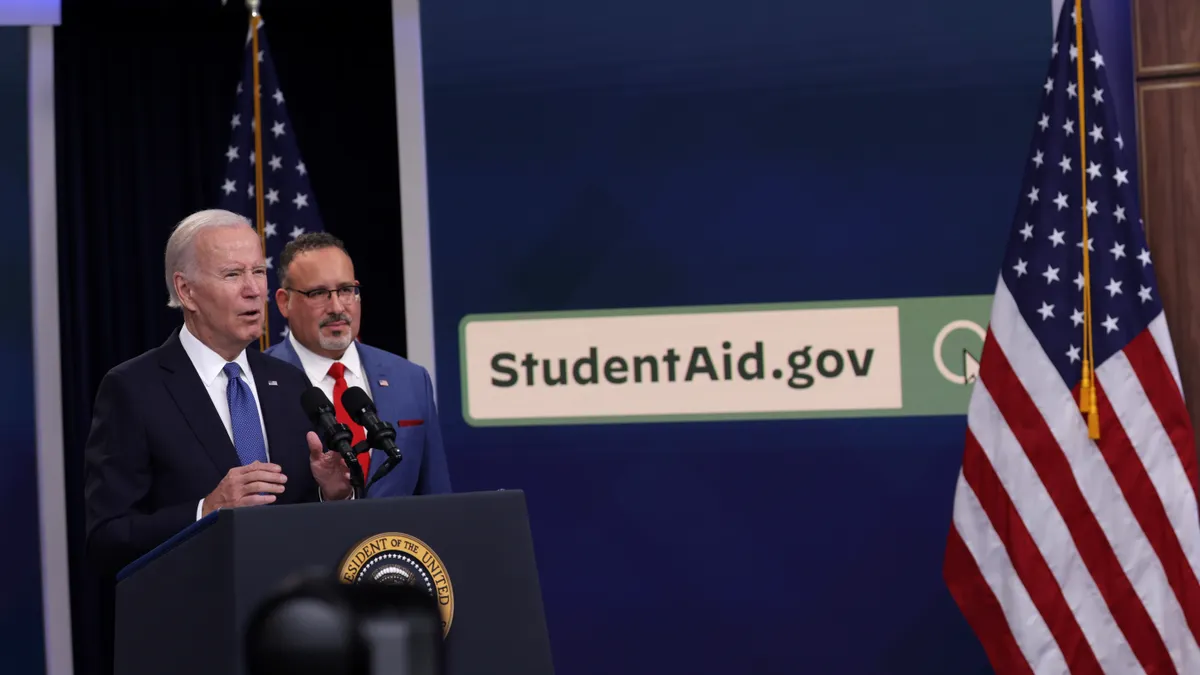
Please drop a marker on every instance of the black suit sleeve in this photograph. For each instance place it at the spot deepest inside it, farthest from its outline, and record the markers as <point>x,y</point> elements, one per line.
<point>117,477</point>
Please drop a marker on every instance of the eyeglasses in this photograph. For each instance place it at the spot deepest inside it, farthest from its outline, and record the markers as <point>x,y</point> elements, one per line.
<point>344,293</point>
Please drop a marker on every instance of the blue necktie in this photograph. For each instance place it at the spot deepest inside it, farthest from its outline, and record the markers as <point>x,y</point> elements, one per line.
<point>247,429</point>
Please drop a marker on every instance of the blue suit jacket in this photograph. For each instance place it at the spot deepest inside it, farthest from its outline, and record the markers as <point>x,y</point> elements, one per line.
<point>405,401</point>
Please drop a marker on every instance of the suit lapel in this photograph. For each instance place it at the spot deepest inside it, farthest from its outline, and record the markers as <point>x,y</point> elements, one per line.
<point>274,404</point>
<point>373,373</point>
<point>289,354</point>
<point>195,405</point>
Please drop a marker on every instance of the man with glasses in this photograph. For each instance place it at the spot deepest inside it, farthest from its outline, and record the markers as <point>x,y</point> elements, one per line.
<point>322,302</point>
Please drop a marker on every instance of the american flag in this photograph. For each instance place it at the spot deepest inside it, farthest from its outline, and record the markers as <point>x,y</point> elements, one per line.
<point>1069,554</point>
<point>288,200</point>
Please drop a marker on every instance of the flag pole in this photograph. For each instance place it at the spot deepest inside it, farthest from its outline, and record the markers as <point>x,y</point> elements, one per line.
<point>1087,387</point>
<point>264,340</point>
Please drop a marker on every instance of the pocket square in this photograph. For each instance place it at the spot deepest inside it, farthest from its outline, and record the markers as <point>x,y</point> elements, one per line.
<point>409,423</point>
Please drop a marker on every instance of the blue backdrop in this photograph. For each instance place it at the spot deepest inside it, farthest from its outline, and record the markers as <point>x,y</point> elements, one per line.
<point>20,570</point>
<point>654,152</point>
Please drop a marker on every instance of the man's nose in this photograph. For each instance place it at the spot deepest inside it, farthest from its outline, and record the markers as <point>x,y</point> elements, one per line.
<point>253,287</point>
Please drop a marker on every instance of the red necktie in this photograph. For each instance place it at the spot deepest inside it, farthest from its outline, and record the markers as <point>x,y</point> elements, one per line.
<point>338,372</point>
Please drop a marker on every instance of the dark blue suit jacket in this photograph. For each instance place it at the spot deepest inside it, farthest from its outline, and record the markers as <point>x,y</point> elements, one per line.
<point>157,447</point>
<point>403,395</point>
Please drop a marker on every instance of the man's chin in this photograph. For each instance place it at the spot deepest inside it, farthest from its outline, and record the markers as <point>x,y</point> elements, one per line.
<point>336,343</point>
<point>254,332</point>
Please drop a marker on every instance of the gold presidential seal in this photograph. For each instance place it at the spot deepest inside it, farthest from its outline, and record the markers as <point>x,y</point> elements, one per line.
<point>398,558</point>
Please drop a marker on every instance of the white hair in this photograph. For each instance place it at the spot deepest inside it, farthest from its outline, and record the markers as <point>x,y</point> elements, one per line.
<point>181,251</point>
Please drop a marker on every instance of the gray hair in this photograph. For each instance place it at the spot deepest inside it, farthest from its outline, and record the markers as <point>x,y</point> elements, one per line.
<point>181,252</point>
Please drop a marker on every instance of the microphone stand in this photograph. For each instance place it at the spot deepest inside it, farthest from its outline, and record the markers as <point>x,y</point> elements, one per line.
<point>383,470</point>
<point>339,439</point>
<point>384,437</point>
<point>380,434</point>
<point>356,477</point>
<point>391,463</point>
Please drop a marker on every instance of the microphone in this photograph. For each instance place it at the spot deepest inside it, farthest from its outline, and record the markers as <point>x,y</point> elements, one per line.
<point>380,434</point>
<point>334,434</point>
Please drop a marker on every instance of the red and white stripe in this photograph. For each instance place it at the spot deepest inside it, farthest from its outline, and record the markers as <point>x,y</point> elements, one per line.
<point>1069,555</point>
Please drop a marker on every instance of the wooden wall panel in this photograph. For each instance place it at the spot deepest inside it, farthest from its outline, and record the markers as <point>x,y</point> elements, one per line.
<point>1167,67</point>
<point>1170,143</point>
<point>1166,36</point>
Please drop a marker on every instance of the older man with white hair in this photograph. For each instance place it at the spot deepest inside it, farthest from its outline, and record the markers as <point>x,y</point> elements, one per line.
<point>200,423</point>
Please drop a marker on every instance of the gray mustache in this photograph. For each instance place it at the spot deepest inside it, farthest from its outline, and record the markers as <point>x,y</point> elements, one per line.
<point>335,317</point>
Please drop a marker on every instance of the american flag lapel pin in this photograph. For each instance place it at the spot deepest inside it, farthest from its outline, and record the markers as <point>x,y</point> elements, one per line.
<point>272,383</point>
<point>383,383</point>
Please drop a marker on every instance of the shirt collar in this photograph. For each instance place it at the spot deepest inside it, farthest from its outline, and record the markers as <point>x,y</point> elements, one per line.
<point>209,364</point>
<point>317,366</point>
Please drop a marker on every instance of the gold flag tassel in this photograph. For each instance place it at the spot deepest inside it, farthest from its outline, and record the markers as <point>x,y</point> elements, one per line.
<point>260,211</point>
<point>1087,385</point>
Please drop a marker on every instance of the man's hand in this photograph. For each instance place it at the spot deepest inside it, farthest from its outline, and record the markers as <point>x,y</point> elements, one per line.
<point>243,486</point>
<point>329,470</point>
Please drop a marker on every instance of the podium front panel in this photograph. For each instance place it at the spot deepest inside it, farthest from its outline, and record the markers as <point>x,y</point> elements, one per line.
<point>473,551</point>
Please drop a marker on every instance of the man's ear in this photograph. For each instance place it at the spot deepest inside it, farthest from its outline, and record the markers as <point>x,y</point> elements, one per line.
<point>184,289</point>
<point>281,301</point>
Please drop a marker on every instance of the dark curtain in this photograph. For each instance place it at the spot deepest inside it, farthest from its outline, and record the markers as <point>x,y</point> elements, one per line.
<point>144,93</point>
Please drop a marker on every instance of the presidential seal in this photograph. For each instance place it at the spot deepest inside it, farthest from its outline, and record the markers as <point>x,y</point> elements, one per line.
<point>398,558</point>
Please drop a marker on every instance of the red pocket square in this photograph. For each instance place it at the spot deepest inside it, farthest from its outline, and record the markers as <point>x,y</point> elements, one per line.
<point>409,423</point>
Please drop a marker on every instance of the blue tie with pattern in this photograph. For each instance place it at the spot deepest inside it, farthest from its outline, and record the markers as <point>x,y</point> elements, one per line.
<point>247,429</point>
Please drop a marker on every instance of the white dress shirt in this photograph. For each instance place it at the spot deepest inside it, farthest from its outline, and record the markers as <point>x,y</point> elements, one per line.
<point>210,366</point>
<point>317,368</point>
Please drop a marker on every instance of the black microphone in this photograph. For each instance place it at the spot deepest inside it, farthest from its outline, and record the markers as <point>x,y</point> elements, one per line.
<point>380,434</point>
<point>334,434</point>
